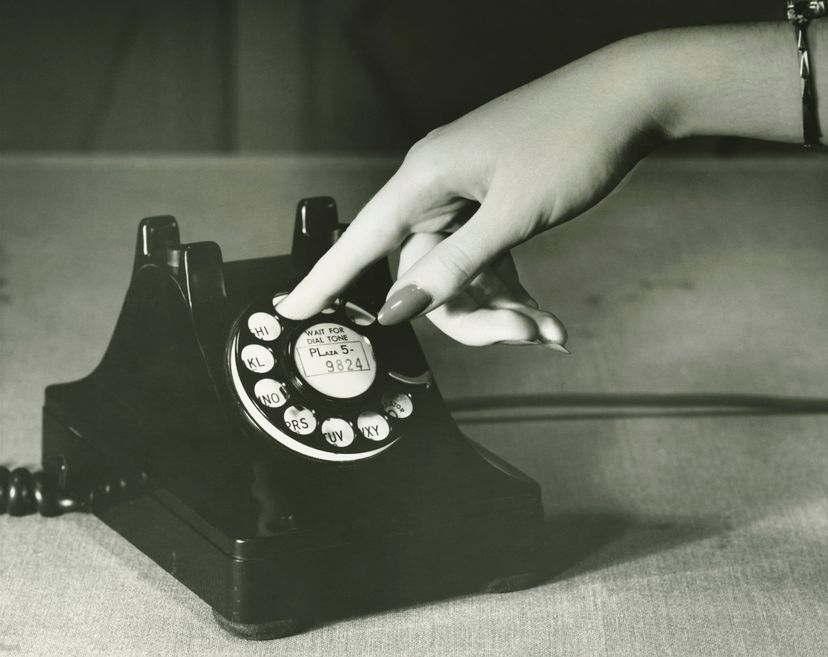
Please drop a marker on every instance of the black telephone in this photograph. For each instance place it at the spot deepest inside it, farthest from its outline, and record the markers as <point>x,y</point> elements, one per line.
<point>287,472</point>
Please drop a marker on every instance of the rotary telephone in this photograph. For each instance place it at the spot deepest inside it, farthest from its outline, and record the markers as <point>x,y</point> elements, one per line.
<point>287,472</point>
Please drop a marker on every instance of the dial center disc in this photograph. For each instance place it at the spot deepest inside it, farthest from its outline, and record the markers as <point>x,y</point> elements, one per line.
<point>335,360</point>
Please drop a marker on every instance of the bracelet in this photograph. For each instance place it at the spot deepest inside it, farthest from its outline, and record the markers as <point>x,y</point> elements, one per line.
<point>800,13</point>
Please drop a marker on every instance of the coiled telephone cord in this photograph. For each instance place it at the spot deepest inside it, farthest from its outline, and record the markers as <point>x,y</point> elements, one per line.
<point>23,492</point>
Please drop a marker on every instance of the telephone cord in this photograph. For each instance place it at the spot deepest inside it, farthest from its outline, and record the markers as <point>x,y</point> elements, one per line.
<point>23,492</point>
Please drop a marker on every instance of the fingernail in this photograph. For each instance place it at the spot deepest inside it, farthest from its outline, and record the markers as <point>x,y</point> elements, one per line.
<point>519,342</point>
<point>539,342</point>
<point>405,303</point>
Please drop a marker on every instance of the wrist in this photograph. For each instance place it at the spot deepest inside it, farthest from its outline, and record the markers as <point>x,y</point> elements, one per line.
<point>647,90</point>
<point>736,80</point>
<point>664,84</point>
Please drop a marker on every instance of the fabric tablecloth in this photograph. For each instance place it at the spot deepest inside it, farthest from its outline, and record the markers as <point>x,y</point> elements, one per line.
<point>682,448</point>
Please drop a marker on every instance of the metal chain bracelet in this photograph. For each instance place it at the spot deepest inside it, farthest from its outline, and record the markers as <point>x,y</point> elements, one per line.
<point>800,14</point>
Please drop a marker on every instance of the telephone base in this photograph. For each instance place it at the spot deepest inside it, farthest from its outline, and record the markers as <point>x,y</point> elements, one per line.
<point>278,629</point>
<point>270,588</point>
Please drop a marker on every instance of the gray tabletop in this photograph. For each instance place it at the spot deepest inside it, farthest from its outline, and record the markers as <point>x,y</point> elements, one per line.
<point>682,448</point>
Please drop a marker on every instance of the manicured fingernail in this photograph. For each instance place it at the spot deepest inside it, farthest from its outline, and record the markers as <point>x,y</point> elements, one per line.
<point>539,342</point>
<point>405,303</point>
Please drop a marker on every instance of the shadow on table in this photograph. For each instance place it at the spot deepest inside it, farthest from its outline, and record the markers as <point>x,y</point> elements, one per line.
<point>497,409</point>
<point>582,542</point>
<point>574,544</point>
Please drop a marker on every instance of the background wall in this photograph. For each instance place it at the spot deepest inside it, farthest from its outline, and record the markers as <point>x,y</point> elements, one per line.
<point>307,75</point>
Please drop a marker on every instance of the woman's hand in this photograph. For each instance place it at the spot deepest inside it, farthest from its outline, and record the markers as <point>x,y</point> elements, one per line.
<point>469,191</point>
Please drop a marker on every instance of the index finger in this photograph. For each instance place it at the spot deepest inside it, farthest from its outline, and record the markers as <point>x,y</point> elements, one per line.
<point>378,228</point>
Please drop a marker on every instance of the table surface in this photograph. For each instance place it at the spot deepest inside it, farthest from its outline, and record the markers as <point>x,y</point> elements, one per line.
<point>687,518</point>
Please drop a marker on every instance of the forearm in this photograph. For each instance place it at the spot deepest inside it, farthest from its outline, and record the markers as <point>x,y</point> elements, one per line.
<point>739,80</point>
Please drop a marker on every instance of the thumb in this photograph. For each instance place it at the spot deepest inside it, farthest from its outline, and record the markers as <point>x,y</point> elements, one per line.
<point>448,267</point>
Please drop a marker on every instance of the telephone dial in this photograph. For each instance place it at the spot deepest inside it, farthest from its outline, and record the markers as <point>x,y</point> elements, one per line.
<point>287,472</point>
